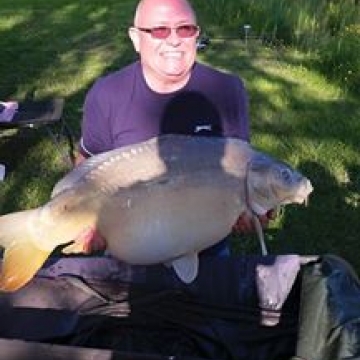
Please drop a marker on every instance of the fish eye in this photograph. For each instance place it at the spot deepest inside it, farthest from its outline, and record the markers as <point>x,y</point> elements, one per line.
<point>285,174</point>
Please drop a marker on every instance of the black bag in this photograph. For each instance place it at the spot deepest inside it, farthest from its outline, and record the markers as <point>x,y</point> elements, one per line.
<point>97,307</point>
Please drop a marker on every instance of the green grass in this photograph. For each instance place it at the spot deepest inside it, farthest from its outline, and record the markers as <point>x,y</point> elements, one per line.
<point>298,116</point>
<point>58,48</point>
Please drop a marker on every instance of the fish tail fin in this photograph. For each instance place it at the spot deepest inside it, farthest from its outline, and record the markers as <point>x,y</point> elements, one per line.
<point>21,258</point>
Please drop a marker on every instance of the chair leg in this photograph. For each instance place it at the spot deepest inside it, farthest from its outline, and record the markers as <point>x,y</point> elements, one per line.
<point>69,156</point>
<point>70,139</point>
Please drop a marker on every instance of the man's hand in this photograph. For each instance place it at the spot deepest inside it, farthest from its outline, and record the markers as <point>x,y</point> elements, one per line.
<point>79,158</point>
<point>86,242</point>
<point>245,224</point>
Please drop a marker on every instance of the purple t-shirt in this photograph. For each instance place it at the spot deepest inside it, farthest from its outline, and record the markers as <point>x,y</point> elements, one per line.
<point>120,109</point>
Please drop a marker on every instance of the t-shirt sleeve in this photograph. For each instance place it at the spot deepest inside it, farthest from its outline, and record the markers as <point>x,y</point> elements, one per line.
<point>95,127</point>
<point>241,127</point>
<point>244,112</point>
<point>235,102</point>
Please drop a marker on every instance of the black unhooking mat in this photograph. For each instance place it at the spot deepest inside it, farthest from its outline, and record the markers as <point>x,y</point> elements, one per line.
<point>136,312</point>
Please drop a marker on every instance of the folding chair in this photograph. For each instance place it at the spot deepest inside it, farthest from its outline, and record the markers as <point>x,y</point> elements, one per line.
<point>43,113</point>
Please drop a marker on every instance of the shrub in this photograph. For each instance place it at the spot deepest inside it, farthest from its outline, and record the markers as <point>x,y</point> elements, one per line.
<point>339,57</point>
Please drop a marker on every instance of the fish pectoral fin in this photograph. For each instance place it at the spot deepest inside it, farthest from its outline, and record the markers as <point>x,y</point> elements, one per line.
<point>186,267</point>
<point>20,263</point>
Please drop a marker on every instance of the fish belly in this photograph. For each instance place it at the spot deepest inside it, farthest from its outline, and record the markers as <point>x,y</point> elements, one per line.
<point>154,224</point>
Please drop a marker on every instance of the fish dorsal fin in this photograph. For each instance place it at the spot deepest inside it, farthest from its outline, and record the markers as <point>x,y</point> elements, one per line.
<point>186,267</point>
<point>20,263</point>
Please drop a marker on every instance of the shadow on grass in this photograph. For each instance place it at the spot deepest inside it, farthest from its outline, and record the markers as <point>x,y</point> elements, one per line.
<point>329,224</point>
<point>320,120</point>
<point>29,173</point>
<point>57,38</point>
<point>53,41</point>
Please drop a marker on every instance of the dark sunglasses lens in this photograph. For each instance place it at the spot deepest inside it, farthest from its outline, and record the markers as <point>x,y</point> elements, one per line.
<point>161,32</point>
<point>186,31</point>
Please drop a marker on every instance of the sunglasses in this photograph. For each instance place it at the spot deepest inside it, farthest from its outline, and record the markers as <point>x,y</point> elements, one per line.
<point>163,32</point>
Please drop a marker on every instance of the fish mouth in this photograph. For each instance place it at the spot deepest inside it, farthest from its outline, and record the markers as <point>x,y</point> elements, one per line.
<point>307,191</point>
<point>302,196</point>
<point>301,200</point>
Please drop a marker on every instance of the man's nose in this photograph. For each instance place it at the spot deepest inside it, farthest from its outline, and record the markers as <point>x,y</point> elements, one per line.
<point>173,39</point>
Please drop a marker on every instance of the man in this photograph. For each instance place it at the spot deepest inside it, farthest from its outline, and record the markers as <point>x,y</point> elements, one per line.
<point>166,91</point>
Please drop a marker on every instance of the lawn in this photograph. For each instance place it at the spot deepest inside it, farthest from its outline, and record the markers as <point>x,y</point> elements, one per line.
<point>58,48</point>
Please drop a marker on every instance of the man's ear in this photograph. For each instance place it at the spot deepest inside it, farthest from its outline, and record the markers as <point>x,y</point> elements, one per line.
<point>134,36</point>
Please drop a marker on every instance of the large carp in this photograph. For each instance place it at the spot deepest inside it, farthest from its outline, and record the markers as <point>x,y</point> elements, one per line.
<point>160,201</point>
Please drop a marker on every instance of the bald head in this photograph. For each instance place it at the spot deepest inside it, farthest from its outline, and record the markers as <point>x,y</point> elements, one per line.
<point>147,9</point>
<point>166,61</point>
